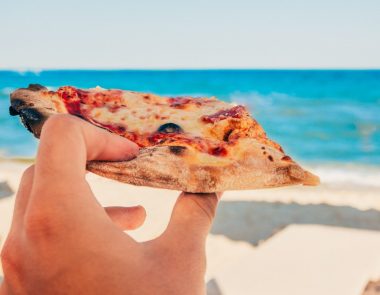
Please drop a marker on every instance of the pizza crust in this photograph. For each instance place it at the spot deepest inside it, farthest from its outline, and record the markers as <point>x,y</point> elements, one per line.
<point>159,167</point>
<point>172,167</point>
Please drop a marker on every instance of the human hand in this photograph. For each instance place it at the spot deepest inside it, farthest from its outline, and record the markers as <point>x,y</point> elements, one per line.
<point>62,241</point>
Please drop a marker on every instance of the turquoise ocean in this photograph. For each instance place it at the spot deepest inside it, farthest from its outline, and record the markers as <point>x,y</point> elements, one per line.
<point>324,118</point>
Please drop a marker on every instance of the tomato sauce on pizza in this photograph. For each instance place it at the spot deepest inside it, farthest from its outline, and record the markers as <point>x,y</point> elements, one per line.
<point>206,124</point>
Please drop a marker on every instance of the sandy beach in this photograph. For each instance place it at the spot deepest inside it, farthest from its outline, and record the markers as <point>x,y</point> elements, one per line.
<point>296,240</point>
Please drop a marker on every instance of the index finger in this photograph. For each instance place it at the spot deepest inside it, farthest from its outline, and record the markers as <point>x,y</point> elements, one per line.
<point>67,143</point>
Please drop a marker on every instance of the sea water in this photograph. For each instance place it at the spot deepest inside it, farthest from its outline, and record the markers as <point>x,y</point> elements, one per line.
<point>324,117</point>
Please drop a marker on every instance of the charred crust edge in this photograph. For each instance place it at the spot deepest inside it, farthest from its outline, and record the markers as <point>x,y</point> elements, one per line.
<point>26,124</point>
<point>16,105</point>
<point>31,119</point>
<point>36,87</point>
<point>12,111</point>
<point>177,150</point>
<point>31,115</point>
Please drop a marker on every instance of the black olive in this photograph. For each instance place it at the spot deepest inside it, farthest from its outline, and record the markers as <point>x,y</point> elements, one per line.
<point>170,128</point>
<point>227,135</point>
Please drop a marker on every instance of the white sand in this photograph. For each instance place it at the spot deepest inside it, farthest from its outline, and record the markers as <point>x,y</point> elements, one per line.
<point>329,245</point>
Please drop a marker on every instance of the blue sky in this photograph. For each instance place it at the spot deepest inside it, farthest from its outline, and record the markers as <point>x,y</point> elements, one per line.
<point>189,34</point>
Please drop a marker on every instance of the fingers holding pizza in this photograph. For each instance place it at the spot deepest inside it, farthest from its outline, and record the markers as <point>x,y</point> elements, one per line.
<point>61,238</point>
<point>55,190</point>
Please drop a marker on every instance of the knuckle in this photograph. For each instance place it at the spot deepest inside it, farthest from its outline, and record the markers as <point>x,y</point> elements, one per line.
<point>39,225</point>
<point>59,123</point>
<point>208,205</point>
<point>10,257</point>
<point>204,204</point>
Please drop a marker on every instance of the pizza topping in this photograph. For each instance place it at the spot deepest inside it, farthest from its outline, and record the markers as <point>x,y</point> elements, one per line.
<point>227,135</point>
<point>235,112</point>
<point>170,128</point>
<point>177,150</point>
<point>73,98</point>
<point>211,147</point>
<point>160,138</point>
<point>287,158</point>
<point>148,120</point>
<point>114,108</point>
<point>218,151</point>
<point>180,102</point>
<point>36,87</point>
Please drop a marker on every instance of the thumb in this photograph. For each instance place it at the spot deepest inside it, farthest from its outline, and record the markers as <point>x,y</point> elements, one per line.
<point>192,217</point>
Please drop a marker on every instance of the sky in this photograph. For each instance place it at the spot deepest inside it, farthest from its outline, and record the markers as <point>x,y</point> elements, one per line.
<point>171,34</point>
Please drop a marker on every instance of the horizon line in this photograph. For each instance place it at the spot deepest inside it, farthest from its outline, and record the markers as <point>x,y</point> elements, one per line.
<point>191,69</point>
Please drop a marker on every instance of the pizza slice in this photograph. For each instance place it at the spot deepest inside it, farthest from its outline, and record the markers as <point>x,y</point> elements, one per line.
<point>188,144</point>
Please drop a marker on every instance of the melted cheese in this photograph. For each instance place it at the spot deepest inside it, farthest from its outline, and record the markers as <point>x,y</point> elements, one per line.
<point>211,128</point>
<point>143,115</point>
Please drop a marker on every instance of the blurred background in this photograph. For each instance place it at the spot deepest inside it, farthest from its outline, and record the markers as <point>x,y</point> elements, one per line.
<point>307,70</point>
